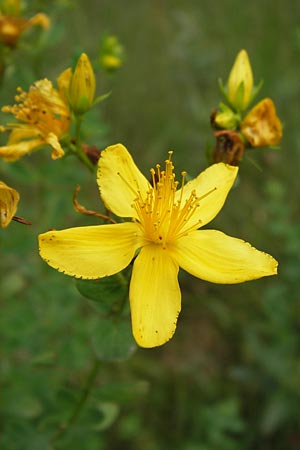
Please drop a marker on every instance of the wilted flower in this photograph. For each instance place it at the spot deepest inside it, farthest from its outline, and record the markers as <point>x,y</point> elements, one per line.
<point>163,235</point>
<point>43,119</point>
<point>82,86</point>
<point>13,24</point>
<point>229,147</point>
<point>261,126</point>
<point>240,82</point>
<point>9,199</point>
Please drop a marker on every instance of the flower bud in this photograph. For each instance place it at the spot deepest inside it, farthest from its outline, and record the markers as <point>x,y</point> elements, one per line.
<point>225,118</point>
<point>9,199</point>
<point>82,86</point>
<point>111,53</point>
<point>240,82</point>
<point>261,126</point>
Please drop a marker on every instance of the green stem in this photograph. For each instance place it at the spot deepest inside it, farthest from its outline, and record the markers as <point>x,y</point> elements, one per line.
<point>90,381</point>
<point>76,148</point>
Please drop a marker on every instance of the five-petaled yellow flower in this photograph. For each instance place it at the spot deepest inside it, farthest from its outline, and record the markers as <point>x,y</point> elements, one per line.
<point>163,235</point>
<point>9,199</point>
<point>43,119</point>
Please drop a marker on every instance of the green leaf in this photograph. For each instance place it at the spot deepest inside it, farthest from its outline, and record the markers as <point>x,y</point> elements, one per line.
<point>108,294</point>
<point>112,339</point>
<point>123,392</point>
<point>109,412</point>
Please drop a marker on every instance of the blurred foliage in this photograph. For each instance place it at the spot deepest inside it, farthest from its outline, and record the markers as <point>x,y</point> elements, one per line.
<point>230,378</point>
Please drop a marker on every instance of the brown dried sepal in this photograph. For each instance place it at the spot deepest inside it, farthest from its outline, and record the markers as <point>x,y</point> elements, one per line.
<point>229,147</point>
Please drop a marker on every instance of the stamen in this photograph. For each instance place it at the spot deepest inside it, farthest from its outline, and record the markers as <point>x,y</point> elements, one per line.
<point>125,180</point>
<point>162,218</point>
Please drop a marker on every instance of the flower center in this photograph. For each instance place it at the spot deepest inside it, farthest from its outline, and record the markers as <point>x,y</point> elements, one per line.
<point>165,214</point>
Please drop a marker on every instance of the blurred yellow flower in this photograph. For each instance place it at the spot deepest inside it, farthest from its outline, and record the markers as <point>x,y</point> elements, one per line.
<point>261,126</point>
<point>82,86</point>
<point>43,119</point>
<point>240,82</point>
<point>111,53</point>
<point>9,199</point>
<point>13,24</point>
<point>110,62</point>
<point>163,235</point>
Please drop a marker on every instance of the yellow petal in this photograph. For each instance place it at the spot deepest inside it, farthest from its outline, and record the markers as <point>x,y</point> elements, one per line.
<point>216,181</point>
<point>22,132</point>
<point>120,180</point>
<point>9,199</point>
<point>15,151</point>
<point>214,256</point>
<point>90,252</point>
<point>261,127</point>
<point>57,151</point>
<point>40,19</point>
<point>43,93</point>
<point>155,298</point>
<point>63,83</point>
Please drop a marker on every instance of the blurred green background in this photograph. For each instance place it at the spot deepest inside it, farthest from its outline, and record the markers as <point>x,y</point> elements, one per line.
<point>230,377</point>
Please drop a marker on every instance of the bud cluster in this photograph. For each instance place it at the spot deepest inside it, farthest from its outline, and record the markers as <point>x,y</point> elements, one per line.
<point>235,128</point>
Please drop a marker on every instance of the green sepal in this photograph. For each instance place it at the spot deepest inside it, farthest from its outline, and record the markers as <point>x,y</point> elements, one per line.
<point>223,90</point>
<point>82,106</point>
<point>102,97</point>
<point>256,91</point>
<point>237,104</point>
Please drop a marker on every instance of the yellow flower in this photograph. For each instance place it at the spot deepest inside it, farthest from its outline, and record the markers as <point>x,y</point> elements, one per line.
<point>9,199</point>
<point>261,126</point>
<point>82,86</point>
<point>12,24</point>
<point>43,119</point>
<point>240,82</point>
<point>163,235</point>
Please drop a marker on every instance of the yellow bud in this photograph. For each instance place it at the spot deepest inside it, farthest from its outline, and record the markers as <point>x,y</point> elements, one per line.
<point>261,126</point>
<point>82,86</point>
<point>111,53</point>
<point>240,82</point>
<point>110,62</point>
<point>225,118</point>
<point>9,199</point>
